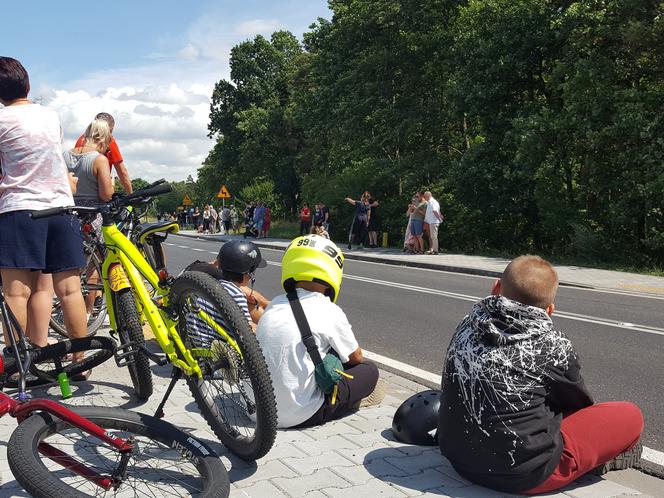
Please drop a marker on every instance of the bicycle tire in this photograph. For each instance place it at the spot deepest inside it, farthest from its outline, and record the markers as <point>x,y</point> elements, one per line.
<point>46,370</point>
<point>130,329</point>
<point>251,367</point>
<point>30,470</point>
<point>99,311</point>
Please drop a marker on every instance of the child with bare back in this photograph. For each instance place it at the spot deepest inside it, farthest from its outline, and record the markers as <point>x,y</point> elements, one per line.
<point>515,413</point>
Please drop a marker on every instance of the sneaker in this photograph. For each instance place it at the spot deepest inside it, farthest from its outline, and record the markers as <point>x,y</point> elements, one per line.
<point>626,460</point>
<point>377,396</point>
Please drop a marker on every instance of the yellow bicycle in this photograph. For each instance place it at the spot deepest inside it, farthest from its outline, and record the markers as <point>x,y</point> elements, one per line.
<point>196,323</point>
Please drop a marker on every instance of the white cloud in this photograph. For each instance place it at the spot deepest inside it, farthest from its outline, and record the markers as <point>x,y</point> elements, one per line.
<point>257,26</point>
<point>160,102</point>
<point>161,130</point>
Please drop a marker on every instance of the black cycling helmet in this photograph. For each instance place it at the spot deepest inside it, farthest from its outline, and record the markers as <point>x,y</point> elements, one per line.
<point>417,418</point>
<point>240,256</point>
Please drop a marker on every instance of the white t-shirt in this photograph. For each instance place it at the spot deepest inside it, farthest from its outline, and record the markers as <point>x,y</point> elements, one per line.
<point>34,174</point>
<point>429,217</point>
<point>298,396</point>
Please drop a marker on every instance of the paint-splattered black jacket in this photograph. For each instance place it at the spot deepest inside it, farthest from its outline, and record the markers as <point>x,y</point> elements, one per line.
<point>508,379</point>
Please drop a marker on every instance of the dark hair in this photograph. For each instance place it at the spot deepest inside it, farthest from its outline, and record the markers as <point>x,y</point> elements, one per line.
<point>14,81</point>
<point>106,117</point>
<point>232,276</point>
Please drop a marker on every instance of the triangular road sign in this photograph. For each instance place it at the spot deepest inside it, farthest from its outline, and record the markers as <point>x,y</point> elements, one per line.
<point>224,193</point>
<point>186,201</point>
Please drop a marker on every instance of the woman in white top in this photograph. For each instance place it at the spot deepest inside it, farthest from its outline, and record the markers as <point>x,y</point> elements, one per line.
<point>34,177</point>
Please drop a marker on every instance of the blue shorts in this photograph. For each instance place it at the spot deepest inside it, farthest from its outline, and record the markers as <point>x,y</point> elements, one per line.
<point>416,227</point>
<point>51,244</point>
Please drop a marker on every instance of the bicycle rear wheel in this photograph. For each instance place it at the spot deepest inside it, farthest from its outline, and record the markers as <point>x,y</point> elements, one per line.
<point>49,361</point>
<point>130,331</point>
<point>235,394</point>
<point>165,461</point>
<point>91,283</point>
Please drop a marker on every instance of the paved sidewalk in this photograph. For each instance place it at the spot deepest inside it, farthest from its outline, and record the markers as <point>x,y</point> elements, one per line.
<point>353,457</point>
<point>480,265</point>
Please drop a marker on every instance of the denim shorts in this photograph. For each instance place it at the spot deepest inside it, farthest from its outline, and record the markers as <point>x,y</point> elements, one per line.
<point>51,244</point>
<point>416,227</point>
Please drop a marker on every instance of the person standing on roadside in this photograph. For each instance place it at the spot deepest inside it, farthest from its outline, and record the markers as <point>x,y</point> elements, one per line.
<point>226,220</point>
<point>112,153</point>
<point>433,218</point>
<point>326,216</point>
<point>259,219</point>
<point>417,223</point>
<point>318,217</point>
<point>358,228</point>
<point>214,219</point>
<point>305,219</point>
<point>374,222</point>
<point>266,221</point>
<point>235,219</point>
<point>36,256</point>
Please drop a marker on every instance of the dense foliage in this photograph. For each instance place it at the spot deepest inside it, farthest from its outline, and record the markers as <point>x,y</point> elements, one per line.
<point>537,124</point>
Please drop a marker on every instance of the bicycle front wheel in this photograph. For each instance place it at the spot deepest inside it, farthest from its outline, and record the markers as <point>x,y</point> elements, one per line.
<point>165,461</point>
<point>130,331</point>
<point>235,394</point>
<point>92,287</point>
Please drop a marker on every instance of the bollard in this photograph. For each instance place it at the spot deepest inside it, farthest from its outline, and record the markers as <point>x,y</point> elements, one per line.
<point>384,239</point>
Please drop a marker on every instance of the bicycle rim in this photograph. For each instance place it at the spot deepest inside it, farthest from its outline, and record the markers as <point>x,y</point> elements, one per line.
<point>165,461</point>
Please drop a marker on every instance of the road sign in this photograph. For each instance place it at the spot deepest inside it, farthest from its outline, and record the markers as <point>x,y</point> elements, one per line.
<point>186,201</point>
<point>224,193</point>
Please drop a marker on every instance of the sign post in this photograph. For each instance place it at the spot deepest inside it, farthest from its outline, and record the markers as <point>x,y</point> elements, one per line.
<point>223,195</point>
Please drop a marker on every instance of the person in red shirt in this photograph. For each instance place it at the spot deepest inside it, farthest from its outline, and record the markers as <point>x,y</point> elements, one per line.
<point>113,153</point>
<point>305,219</point>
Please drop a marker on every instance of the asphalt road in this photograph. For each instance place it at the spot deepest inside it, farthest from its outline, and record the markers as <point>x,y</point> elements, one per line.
<point>410,315</point>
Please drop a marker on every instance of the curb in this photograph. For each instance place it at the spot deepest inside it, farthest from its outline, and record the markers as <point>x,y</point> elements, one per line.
<point>394,262</point>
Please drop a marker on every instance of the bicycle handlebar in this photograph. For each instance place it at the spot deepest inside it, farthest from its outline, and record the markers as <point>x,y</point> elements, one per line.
<point>157,188</point>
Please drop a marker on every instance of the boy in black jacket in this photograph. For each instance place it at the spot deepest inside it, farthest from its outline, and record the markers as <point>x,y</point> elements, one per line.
<point>515,413</point>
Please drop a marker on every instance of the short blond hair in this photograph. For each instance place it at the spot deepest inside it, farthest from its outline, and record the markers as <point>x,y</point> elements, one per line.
<point>530,280</point>
<point>98,135</point>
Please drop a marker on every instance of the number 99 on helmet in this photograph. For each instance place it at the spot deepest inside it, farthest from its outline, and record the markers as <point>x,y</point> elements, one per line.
<point>312,258</point>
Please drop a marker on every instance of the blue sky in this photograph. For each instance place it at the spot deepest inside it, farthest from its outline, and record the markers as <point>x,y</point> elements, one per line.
<point>151,63</point>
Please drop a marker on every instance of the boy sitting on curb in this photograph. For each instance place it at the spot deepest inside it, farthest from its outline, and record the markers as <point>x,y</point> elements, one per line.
<point>515,414</point>
<point>311,274</point>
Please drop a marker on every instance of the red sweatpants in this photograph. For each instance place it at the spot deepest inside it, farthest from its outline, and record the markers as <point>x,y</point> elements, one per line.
<point>591,437</point>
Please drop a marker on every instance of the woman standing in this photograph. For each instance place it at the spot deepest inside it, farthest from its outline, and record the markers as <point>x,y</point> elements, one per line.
<point>374,222</point>
<point>34,177</point>
<point>88,163</point>
<point>358,228</point>
<point>206,218</point>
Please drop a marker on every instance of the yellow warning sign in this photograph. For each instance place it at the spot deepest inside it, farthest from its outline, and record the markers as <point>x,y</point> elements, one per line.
<point>224,193</point>
<point>186,201</point>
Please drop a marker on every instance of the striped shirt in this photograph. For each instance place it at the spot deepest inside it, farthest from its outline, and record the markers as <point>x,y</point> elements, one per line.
<point>203,334</point>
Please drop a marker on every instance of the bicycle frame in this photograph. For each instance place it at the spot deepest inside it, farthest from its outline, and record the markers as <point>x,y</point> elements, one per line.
<point>125,267</point>
<point>21,411</point>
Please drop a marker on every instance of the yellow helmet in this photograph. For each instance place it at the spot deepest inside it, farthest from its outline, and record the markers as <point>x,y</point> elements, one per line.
<point>313,259</point>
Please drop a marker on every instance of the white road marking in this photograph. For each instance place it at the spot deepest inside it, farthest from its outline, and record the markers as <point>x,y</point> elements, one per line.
<point>402,367</point>
<point>579,287</point>
<point>465,297</point>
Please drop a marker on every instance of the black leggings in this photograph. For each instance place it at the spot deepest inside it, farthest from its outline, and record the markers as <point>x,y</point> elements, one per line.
<point>351,392</point>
